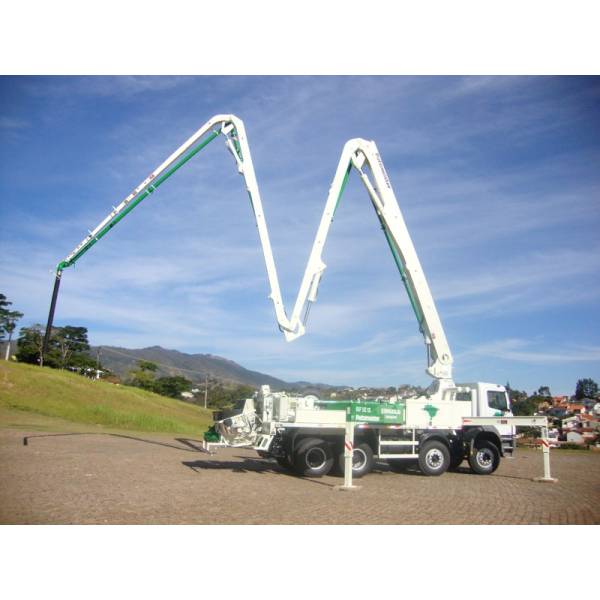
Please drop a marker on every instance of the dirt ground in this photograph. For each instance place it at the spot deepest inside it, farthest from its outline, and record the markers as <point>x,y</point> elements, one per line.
<point>137,478</point>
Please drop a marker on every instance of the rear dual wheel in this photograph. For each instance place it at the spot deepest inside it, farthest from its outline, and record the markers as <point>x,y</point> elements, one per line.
<point>313,458</point>
<point>434,458</point>
<point>362,460</point>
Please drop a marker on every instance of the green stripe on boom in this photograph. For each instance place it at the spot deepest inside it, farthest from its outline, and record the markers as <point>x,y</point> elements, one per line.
<point>343,186</point>
<point>144,194</point>
<point>400,266</point>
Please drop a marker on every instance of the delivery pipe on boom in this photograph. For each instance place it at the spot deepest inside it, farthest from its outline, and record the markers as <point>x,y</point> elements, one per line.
<point>48,332</point>
<point>142,191</point>
<point>233,130</point>
<point>357,154</point>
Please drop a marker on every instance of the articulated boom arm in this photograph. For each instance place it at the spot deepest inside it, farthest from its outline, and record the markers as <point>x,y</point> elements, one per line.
<point>357,154</point>
<point>234,132</point>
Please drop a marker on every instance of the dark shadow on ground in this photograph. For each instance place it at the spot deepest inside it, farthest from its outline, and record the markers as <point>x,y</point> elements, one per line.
<point>187,444</point>
<point>248,465</point>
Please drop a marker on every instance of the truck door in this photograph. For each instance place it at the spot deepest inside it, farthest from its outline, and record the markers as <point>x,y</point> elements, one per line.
<point>495,403</point>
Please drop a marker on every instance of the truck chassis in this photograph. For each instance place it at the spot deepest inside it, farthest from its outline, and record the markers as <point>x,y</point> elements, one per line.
<point>314,451</point>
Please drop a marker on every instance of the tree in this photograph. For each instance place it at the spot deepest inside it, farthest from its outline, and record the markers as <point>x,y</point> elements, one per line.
<point>147,365</point>
<point>544,392</point>
<point>221,396</point>
<point>586,388</point>
<point>525,406</point>
<point>83,361</point>
<point>70,342</point>
<point>144,376</point>
<point>4,304</point>
<point>30,344</point>
<point>8,322</point>
<point>515,395</point>
<point>172,386</point>
<point>520,403</point>
<point>67,347</point>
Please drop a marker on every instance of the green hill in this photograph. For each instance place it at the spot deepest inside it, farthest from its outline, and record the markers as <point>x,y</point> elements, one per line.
<point>48,398</point>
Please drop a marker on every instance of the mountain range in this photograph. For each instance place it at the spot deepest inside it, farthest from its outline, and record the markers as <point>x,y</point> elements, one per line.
<point>191,366</point>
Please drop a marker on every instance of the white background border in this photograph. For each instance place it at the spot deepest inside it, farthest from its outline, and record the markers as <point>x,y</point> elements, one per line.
<point>308,37</point>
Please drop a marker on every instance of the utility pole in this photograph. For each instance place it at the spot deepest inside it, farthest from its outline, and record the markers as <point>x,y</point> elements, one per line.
<point>206,390</point>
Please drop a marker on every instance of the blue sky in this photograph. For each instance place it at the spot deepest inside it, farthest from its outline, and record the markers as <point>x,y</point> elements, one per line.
<point>498,179</point>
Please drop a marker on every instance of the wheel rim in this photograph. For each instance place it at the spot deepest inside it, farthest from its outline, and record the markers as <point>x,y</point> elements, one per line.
<point>485,458</point>
<point>359,459</point>
<point>316,458</point>
<point>434,459</point>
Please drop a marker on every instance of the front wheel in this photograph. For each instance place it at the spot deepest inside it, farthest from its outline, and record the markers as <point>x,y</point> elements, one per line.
<point>485,458</point>
<point>434,458</point>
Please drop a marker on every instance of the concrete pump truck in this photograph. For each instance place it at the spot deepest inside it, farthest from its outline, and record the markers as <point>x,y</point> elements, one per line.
<point>437,430</point>
<point>448,424</point>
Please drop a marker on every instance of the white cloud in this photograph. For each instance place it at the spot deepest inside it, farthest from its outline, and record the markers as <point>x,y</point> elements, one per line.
<point>520,350</point>
<point>11,123</point>
<point>185,269</point>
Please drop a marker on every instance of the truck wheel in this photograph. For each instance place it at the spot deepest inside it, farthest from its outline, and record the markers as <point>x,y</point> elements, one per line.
<point>313,458</point>
<point>485,458</point>
<point>362,460</point>
<point>434,458</point>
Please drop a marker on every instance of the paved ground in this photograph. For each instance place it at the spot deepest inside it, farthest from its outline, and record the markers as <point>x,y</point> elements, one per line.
<point>108,478</point>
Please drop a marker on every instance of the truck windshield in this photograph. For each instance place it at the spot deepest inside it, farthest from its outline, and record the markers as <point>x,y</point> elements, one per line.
<point>497,400</point>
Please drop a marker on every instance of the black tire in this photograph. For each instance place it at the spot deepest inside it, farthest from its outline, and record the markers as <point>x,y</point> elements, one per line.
<point>313,458</point>
<point>457,455</point>
<point>434,458</point>
<point>285,462</point>
<point>456,460</point>
<point>485,458</point>
<point>362,460</point>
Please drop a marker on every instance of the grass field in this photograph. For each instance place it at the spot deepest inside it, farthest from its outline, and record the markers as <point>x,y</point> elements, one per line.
<point>44,398</point>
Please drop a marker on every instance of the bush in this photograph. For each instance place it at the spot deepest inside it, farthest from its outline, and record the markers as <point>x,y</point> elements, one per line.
<point>573,446</point>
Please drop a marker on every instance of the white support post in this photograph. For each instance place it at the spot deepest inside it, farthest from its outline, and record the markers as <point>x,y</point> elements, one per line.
<point>348,453</point>
<point>546,452</point>
<point>539,422</point>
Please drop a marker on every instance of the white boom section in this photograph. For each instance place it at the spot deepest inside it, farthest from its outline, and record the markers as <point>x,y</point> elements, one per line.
<point>357,154</point>
<point>216,120</point>
<point>227,125</point>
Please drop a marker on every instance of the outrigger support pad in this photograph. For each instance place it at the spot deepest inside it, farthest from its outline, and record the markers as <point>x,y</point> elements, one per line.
<point>50,316</point>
